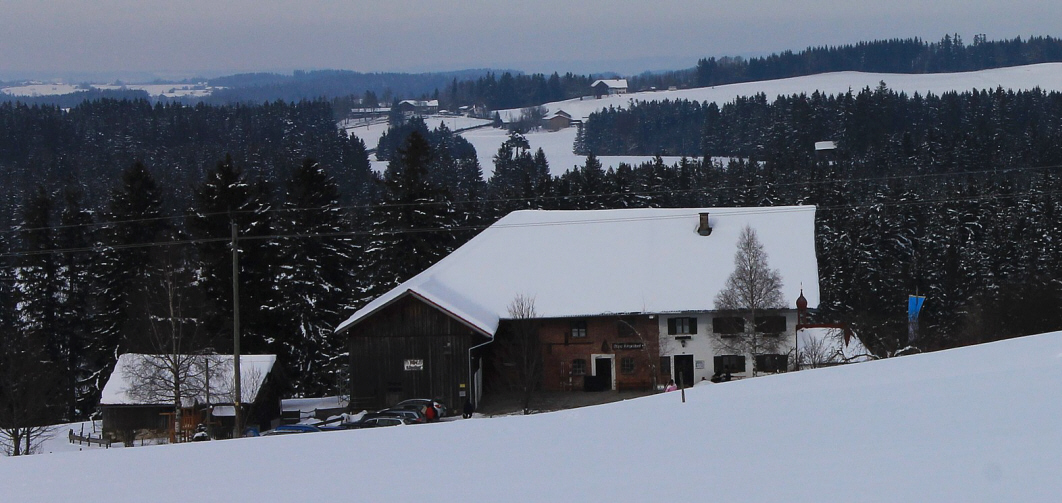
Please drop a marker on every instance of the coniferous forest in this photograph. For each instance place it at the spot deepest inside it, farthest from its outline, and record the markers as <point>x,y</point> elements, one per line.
<point>111,209</point>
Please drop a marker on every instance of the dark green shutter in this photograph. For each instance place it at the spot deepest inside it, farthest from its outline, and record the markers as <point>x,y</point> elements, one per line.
<point>671,326</point>
<point>693,325</point>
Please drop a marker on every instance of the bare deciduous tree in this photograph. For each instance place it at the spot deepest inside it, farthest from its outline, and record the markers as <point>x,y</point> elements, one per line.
<point>176,370</point>
<point>752,287</point>
<point>815,352</point>
<point>521,347</point>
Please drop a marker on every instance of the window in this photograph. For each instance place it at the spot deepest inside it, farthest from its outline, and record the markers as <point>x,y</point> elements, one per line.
<point>771,325</point>
<point>729,363</point>
<point>681,326</point>
<point>578,367</point>
<point>772,363</point>
<point>627,365</point>
<point>728,325</point>
<point>579,328</point>
<point>665,366</point>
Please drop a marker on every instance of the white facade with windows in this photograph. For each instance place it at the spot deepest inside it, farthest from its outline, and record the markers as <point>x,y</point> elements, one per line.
<point>701,344</point>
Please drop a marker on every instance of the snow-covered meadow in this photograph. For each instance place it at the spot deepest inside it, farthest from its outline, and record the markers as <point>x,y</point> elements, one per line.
<point>162,90</point>
<point>558,145</point>
<point>980,423</point>
<point>1047,76</point>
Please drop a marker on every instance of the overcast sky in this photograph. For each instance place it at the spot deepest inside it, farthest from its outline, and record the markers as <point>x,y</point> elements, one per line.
<point>180,38</point>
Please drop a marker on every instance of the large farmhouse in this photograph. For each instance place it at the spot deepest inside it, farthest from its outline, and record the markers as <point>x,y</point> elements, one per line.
<point>622,299</point>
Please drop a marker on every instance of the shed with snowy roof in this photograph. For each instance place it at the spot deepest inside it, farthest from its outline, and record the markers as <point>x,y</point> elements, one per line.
<point>609,288</point>
<point>139,394</point>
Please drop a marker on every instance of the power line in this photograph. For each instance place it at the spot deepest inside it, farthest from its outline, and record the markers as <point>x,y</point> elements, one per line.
<point>371,207</point>
<point>471,228</point>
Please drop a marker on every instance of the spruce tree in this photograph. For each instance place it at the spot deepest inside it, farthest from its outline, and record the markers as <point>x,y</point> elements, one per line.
<point>412,227</point>
<point>315,261</point>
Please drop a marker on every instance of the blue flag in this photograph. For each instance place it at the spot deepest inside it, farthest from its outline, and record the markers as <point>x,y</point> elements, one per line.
<point>914,306</point>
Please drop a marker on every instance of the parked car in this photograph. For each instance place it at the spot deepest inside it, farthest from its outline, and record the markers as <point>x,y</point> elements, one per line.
<point>287,429</point>
<point>376,422</point>
<point>440,409</point>
<point>413,415</point>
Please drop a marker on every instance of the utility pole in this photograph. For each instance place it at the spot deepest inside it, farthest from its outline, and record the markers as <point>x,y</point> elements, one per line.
<point>236,429</point>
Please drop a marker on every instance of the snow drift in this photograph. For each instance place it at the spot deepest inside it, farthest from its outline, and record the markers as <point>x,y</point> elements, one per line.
<point>974,424</point>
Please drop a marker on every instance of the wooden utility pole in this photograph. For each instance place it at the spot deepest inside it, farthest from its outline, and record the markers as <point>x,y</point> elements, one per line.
<point>236,429</point>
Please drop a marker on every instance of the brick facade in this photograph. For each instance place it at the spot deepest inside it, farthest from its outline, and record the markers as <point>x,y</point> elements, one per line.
<point>606,337</point>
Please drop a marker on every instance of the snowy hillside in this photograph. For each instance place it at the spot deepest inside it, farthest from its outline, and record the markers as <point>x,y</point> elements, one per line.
<point>981,423</point>
<point>558,145</point>
<point>1047,76</point>
<point>161,90</point>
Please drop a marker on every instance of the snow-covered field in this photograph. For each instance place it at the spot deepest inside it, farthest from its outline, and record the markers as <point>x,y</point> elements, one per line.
<point>370,131</point>
<point>558,145</point>
<point>981,423</point>
<point>164,90</point>
<point>1047,76</point>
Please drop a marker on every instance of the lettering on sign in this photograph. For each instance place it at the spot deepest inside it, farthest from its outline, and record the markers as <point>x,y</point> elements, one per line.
<point>628,345</point>
<point>415,364</point>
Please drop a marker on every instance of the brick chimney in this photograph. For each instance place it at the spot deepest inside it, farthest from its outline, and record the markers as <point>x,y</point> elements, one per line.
<point>704,228</point>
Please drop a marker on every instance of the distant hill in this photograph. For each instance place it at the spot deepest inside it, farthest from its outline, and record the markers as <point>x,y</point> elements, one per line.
<point>329,84</point>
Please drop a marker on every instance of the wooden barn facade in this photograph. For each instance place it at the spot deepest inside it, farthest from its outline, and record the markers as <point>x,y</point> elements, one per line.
<point>412,348</point>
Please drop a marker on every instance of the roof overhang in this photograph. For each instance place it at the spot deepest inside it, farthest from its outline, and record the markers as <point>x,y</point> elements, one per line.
<point>425,299</point>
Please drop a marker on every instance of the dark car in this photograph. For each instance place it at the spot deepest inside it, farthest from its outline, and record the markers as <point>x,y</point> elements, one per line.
<point>440,409</point>
<point>287,429</point>
<point>376,422</point>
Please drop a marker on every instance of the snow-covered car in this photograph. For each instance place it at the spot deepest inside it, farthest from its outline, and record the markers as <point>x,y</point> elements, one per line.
<point>287,429</point>
<point>376,422</point>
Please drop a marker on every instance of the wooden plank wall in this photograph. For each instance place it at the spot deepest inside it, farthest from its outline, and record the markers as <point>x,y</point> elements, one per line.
<point>409,330</point>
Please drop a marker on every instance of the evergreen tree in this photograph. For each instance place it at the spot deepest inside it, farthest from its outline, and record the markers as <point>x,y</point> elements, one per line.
<point>312,275</point>
<point>224,198</point>
<point>77,317</point>
<point>412,227</point>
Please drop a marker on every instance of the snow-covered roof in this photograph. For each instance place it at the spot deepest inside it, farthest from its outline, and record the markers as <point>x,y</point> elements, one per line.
<point>585,263</point>
<point>825,145</point>
<point>421,103</point>
<point>253,372</point>
<point>611,83</point>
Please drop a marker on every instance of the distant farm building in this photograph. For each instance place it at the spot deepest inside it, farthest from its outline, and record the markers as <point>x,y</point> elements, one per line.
<point>557,120</point>
<point>623,299</point>
<point>826,151</point>
<point>608,87</point>
<point>418,107</point>
<point>130,408</point>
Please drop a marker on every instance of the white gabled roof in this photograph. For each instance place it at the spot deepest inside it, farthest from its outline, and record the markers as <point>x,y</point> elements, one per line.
<point>611,83</point>
<point>584,263</point>
<point>253,372</point>
<point>825,145</point>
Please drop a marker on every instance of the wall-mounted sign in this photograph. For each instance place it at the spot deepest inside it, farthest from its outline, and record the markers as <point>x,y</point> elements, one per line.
<point>699,364</point>
<point>415,364</point>
<point>628,345</point>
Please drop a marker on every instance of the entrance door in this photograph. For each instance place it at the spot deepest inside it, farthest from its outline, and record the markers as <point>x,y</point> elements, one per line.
<point>684,370</point>
<point>603,371</point>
